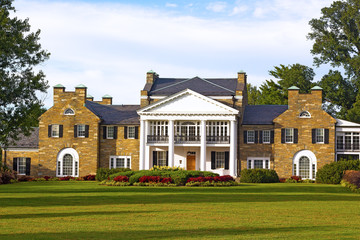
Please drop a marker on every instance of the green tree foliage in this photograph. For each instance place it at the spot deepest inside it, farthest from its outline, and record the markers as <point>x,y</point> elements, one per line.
<point>253,94</point>
<point>336,36</point>
<point>20,52</point>
<point>276,92</point>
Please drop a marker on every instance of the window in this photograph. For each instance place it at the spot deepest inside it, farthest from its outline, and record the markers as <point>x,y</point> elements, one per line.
<point>305,164</point>
<point>289,135</point>
<point>55,130</point>
<point>304,114</point>
<point>319,135</point>
<point>22,165</point>
<point>131,132</point>
<point>110,132</point>
<point>69,111</point>
<point>81,130</point>
<point>161,158</point>
<point>304,167</point>
<point>262,163</point>
<point>67,163</point>
<point>120,162</point>
<point>347,141</point>
<point>220,160</point>
<point>251,136</point>
<point>266,136</point>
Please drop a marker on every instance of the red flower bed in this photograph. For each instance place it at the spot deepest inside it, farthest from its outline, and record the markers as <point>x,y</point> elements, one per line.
<point>89,177</point>
<point>155,179</point>
<point>47,178</point>
<point>121,179</point>
<point>225,178</point>
<point>67,178</point>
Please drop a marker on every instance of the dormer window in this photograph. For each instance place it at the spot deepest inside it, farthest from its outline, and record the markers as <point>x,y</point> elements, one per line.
<point>69,111</point>
<point>304,114</point>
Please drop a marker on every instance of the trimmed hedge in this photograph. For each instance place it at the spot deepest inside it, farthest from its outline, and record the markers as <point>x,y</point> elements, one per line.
<point>127,173</point>
<point>104,173</point>
<point>258,176</point>
<point>332,173</point>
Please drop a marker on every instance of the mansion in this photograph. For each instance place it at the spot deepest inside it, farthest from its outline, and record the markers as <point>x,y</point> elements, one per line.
<point>195,123</point>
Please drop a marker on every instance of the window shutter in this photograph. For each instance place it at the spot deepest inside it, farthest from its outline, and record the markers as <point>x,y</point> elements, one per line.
<point>28,166</point>
<point>104,132</point>
<point>313,135</point>
<point>256,136</point>
<point>49,130</point>
<point>86,131</point>
<point>75,131</point>
<point>15,164</point>
<point>283,135</point>
<point>125,132</point>
<point>260,136</point>
<point>245,136</point>
<point>226,160</point>
<point>61,130</point>
<point>326,130</point>
<point>154,158</point>
<point>115,132</point>
<point>136,132</point>
<point>272,135</point>
<point>167,158</point>
<point>296,135</point>
<point>212,160</point>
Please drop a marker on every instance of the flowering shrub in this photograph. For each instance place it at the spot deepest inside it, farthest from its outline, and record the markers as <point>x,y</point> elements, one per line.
<point>24,178</point>
<point>225,178</point>
<point>89,177</point>
<point>47,178</point>
<point>296,178</point>
<point>121,179</point>
<point>165,168</point>
<point>155,179</point>
<point>67,178</point>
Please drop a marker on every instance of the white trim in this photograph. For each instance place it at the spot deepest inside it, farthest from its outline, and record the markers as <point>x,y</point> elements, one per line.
<point>22,149</point>
<point>264,159</point>
<point>304,116</point>
<point>67,114</point>
<point>60,158</point>
<point>113,158</point>
<point>213,97</point>
<point>305,153</point>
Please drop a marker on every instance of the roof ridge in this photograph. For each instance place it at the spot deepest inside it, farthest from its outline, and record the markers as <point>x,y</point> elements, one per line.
<point>216,85</point>
<point>173,84</point>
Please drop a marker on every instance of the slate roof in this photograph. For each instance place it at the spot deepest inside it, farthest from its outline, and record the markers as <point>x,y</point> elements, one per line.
<point>262,114</point>
<point>207,87</point>
<point>31,141</point>
<point>115,114</point>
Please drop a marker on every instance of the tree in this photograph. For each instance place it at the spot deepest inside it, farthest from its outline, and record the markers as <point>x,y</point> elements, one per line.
<point>20,52</point>
<point>336,36</point>
<point>253,94</point>
<point>272,92</point>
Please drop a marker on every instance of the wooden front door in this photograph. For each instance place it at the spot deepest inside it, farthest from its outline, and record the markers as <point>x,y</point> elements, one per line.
<point>190,162</point>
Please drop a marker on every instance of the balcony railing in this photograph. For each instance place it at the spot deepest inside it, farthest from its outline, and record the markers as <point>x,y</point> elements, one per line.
<point>187,139</point>
<point>217,139</point>
<point>347,147</point>
<point>157,139</point>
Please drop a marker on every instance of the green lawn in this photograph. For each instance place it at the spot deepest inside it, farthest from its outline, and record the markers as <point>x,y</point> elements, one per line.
<point>86,210</point>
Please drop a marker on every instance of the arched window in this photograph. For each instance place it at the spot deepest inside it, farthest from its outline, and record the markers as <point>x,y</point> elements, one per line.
<point>69,111</point>
<point>304,164</point>
<point>304,114</point>
<point>67,163</point>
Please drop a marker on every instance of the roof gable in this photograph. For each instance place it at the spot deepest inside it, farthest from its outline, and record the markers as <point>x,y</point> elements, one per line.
<point>188,102</point>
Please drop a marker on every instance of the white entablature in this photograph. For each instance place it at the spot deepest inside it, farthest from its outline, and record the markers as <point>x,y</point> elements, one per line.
<point>190,105</point>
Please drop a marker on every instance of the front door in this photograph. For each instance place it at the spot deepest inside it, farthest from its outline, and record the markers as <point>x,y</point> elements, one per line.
<point>190,162</point>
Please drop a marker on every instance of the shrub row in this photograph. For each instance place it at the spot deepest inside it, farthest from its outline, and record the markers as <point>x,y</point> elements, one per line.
<point>258,176</point>
<point>47,178</point>
<point>225,178</point>
<point>104,173</point>
<point>332,173</point>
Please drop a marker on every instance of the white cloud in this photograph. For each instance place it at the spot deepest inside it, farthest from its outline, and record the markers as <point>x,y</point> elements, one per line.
<point>109,46</point>
<point>217,6</point>
<point>171,5</point>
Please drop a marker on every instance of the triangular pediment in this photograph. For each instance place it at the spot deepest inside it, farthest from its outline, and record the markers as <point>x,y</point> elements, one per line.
<point>188,102</point>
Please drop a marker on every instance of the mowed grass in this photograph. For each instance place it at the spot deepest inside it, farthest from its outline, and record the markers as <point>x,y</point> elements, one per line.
<point>86,210</point>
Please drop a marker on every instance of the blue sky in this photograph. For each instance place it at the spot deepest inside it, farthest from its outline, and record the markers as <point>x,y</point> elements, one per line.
<point>110,45</point>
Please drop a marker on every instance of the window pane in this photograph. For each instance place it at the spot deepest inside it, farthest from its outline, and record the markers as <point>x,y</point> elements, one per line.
<point>220,160</point>
<point>22,165</point>
<point>110,132</point>
<point>249,164</point>
<point>69,111</point>
<point>161,161</point>
<point>250,136</point>
<point>266,136</point>
<point>339,142</point>
<point>319,135</point>
<point>304,167</point>
<point>81,130</point>
<point>67,165</point>
<point>267,164</point>
<point>131,132</point>
<point>258,164</point>
<point>289,133</point>
<point>120,162</point>
<point>55,130</point>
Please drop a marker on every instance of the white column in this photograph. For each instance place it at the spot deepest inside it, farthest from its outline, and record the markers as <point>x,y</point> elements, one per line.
<point>171,143</point>
<point>142,145</point>
<point>203,146</point>
<point>147,148</point>
<point>233,150</point>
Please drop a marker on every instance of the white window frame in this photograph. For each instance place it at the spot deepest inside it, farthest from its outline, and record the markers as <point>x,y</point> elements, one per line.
<point>107,132</point>
<point>248,136</point>
<point>251,162</point>
<point>113,162</point>
<point>263,136</point>
<point>130,132</point>
<point>65,112</point>
<point>59,162</point>
<point>57,133</point>
<point>319,132</point>
<point>79,130</point>
<point>18,165</point>
<point>290,135</point>
<point>312,163</point>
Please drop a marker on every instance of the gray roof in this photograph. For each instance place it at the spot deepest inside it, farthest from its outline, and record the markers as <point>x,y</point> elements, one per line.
<point>115,114</point>
<point>262,114</point>
<point>207,87</point>
<point>31,141</point>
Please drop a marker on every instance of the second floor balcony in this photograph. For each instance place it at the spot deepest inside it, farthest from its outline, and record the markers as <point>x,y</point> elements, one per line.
<point>189,139</point>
